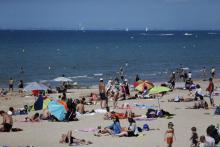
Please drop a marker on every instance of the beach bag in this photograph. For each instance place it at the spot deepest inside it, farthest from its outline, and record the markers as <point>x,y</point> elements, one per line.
<point>177,99</point>
<point>217,110</point>
<point>146,127</point>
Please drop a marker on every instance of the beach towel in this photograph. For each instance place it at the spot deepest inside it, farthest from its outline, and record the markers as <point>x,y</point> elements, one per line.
<point>144,119</point>
<point>143,106</point>
<point>102,111</point>
<point>87,130</point>
<point>119,115</point>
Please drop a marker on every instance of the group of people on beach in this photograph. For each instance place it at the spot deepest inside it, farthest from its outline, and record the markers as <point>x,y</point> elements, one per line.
<point>119,89</point>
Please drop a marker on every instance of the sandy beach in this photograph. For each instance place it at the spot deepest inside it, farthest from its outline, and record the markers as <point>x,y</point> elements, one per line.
<point>47,134</point>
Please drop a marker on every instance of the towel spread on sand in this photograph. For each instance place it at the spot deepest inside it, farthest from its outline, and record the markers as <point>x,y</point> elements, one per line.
<point>144,119</point>
<point>143,106</point>
<point>87,130</point>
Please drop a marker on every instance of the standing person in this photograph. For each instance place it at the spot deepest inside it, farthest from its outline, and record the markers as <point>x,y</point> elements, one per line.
<point>204,74</point>
<point>210,89</point>
<point>127,91</point>
<point>102,94</point>
<point>20,87</point>
<point>7,122</point>
<point>116,93</point>
<point>213,72</point>
<point>189,75</point>
<point>11,84</point>
<point>109,87</point>
<point>169,135</point>
<point>194,137</point>
<point>137,78</point>
<point>173,80</point>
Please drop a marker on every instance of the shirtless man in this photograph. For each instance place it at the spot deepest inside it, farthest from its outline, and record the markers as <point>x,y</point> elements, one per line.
<point>80,107</point>
<point>7,122</point>
<point>102,94</point>
<point>11,84</point>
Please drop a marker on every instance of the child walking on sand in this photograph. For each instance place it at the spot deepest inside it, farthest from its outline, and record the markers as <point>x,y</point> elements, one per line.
<point>194,137</point>
<point>169,135</point>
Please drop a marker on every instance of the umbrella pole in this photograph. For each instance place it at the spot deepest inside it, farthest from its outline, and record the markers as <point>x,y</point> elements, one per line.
<point>158,102</point>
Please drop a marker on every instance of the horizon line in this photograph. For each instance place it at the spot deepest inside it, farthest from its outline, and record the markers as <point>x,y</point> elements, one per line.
<point>150,30</point>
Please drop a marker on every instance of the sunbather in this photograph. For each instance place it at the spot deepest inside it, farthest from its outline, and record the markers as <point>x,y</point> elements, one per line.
<point>34,118</point>
<point>7,122</point>
<point>68,138</point>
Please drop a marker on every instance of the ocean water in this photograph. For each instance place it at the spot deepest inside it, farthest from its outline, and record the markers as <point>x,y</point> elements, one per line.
<point>85,56</point>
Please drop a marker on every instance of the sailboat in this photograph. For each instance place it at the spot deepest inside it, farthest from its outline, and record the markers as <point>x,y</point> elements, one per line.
<point>146,29</point>
<point>126,29</point>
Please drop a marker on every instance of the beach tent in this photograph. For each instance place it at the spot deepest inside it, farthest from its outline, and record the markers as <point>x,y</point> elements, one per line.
<point>62,79</point>
<point>40,103</point>
<point>57,110</point>
<point>35,86</point>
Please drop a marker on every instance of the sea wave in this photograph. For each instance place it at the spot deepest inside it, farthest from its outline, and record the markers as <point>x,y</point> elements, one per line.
<point>98,74</point>
<point>211,33</point>
<point>79,77</point>
<point>168,34</point>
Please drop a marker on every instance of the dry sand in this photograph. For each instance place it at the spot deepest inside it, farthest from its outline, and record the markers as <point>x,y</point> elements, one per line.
<point>47,134</point>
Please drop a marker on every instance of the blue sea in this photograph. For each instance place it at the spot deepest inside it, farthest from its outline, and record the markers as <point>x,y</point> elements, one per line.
<point>85,56</point>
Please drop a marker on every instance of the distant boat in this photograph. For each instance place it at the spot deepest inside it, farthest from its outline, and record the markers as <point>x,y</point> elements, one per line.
<point>187,34</point>
<point>146,29</point>
<point>126,30</point>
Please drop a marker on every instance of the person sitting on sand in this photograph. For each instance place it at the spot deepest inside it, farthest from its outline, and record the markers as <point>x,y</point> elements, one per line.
<point>114,128</point>
<point>34,118</point>
<point>45,115</point>
<point>68,138</point>
<point>199,104</point>
<point>203,142</point>
<point>80,107</point>
<point>94,98</point>
<point>198,93</point>
<point>131,130</point>
<point>3,92</point>
<point>7,122</point>
<point>20,111</point>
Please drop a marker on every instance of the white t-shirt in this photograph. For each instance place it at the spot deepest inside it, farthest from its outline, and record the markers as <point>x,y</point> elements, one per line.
<point>210,141</point>
<point>199,91</point>
<point>190,75</point>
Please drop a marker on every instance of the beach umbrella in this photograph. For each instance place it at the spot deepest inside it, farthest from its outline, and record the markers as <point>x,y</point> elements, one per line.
<point>143,84</point>
<point>35,86</point>
<point>158,89</point>
<point>135,84</point>
<point>62,79</point>
<point>57,110</point>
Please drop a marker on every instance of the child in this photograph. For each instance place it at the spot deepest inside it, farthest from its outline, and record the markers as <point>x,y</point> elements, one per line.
<point>194,137</point>
<point>169,134</point>
<point>202,142</point>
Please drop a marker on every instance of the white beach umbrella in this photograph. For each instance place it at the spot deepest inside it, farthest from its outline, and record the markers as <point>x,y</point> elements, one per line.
<point>62,79</point>
<point>35,86</point>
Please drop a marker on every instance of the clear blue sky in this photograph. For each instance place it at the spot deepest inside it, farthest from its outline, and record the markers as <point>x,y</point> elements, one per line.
<point>108,14</point>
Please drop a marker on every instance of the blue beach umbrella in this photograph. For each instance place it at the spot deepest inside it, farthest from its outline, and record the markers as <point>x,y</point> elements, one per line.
<point>35,86</point>
<point>57,110</point>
